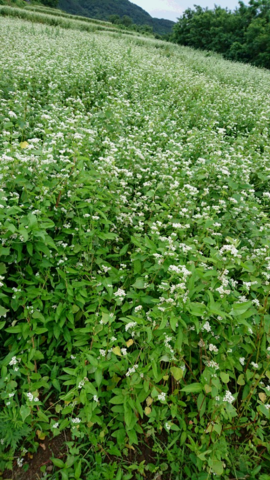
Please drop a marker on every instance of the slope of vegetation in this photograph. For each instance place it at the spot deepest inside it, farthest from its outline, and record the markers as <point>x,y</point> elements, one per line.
<point>102,9</point>
<point>242,35</point>
<point>49,16</point>
<point>134,259</point>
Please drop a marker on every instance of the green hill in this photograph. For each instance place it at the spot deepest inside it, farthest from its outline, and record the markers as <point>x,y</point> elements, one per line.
<point>102,9</point>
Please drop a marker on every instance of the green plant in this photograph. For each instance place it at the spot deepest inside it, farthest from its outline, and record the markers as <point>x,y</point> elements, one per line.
<point>134,257</point>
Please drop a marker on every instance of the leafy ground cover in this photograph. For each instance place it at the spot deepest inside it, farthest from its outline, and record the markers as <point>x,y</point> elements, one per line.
<point>134,259</point>
<point>55,18</point>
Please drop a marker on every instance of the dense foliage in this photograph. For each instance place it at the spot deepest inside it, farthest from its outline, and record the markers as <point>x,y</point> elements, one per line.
<point>242,35</point>
<point>53,17</point>
<point>134,257</point>
<point>103,9</point>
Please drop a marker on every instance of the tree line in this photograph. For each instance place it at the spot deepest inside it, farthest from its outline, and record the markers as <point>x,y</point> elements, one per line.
<point>241,35</point>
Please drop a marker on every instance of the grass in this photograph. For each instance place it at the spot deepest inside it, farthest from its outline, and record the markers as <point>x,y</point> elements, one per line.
<point>36,15</point>
<point>134,257</point>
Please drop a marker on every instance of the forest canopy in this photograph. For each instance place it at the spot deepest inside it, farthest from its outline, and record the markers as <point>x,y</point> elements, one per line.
<point>241,35</point>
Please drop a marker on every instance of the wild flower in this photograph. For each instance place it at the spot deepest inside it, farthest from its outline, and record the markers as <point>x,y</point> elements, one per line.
<point>228,397</point>
<point>162,396</point>
<point>75,420</point>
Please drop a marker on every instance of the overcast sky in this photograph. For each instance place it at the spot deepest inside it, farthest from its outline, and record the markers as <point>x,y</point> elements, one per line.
<point>172,9</point>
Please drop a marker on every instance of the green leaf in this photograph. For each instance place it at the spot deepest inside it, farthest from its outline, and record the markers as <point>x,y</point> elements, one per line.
<point>137,266</point>
<point>78,470</point>
<point>193,388</point>
<point>217,466</point>
<point>42,416</point>
<point>15,329</point>
<point>3,311</point>
<point>98,376</point>
<point>197,309</point>
<point>224,377</point>
<point>58,463</point>
<point>25,412</point>
<point>241,380</point>
<point>3,269</point>
<point>89,387</point>
<point>139,283</point>
<point>117,400</point>
<point>240,308</point>
<point>179,339</point>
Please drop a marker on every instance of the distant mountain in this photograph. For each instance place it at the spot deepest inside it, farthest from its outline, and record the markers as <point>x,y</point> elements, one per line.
<point>102,9</point>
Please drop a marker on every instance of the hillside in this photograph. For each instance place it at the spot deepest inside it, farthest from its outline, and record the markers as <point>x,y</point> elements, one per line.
<point>134,256</point>
<point>102,9</point>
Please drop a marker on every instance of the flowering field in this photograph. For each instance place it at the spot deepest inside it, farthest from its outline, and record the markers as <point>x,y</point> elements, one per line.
<point>134,259</point>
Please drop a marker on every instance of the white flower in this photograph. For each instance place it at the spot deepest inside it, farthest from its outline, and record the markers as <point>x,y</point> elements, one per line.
<point>162,396</point>
<point>213,348</point>
<point>124,351</point>
<point>255,365</point>
<point>213,364</point>
<point>76,420</point>
<point>130,325</point>
<point>131,370</point>
<point>12,114</point>
<point>55,425</point>
<point>95,398</point>
<point>206,326</point>
<point>137,309</point>
<point>228,397</point>
<point>13,361</point>
<point>120,293</point>
<point>102,352</point>
<point>167,426</point>
<point>242,360</point>
<point>20,462</point>
<point>30,396</point>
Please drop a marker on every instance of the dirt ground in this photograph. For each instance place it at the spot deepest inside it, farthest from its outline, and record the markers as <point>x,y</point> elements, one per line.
<point>54,447</point>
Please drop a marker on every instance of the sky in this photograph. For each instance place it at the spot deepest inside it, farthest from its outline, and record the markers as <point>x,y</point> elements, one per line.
<point>172,9</point>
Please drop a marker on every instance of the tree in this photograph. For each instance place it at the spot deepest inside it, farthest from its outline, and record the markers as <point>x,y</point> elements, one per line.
<point>242,35</point>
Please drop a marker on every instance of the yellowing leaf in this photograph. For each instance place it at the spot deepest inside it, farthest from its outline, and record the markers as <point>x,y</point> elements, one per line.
<point>177,373</point>
<point>117,351</point>
<point>129,446</point>
<point>166,377</point>
<point>41,435</point>
<point>149,401</point>
<point>147,410</point>
<point>262,396</point>
<point>207,388</point>
<point>24,144</point>
<point>129,342</point>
